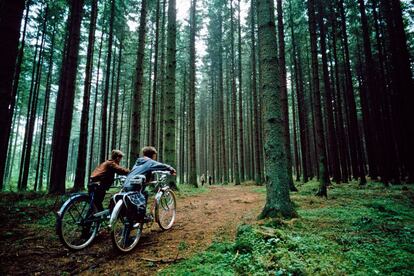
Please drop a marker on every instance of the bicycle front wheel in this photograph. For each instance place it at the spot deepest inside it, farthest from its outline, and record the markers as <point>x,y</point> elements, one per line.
<point>125,233</point>
<point>165,209</point>
<point>75,224</point>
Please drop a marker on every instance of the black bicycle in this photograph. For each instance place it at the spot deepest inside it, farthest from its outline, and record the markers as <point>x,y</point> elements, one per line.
<point>78,220</point>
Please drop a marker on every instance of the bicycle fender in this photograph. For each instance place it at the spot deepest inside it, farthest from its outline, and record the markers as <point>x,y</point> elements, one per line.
<point>72,197</point>
<point>115,213</point>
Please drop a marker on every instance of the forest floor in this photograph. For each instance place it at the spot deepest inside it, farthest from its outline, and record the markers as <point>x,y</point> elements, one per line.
<point>356,231</point>
<point>29,244</point>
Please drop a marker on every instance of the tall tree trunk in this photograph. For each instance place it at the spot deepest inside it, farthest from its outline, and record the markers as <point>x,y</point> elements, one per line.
<point>104,117</point>
<point>29,108</point>
<point>257,146</point>
<point>236,164</point>
<point>170,124</point>
<point>65,98</point>
<point>153,138</point>
<point>22,185</point>
<point>354,136</point>
<point>283,92</point>
<point>11,13</point>
<point>221,99</point>
<point>137,96</point>
<point>161,141</point>
<point>295,136</point>
<point>83,133</point>
<point>241,131</point>
<point>92,143</point>
<point>302,110</point>
<point>277,178</point>
<point>191,98</point>
<point>116,100</point>
<point>320,142</point>
<point>402,84</point>
<point>330,128</point>
<point>342,144</point>
<point>42,144</point>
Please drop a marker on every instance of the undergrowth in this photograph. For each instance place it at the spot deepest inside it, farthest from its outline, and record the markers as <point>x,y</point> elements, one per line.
<point>356,231</point>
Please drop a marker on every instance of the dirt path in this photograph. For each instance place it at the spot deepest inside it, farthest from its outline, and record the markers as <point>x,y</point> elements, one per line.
<point>200,220</point>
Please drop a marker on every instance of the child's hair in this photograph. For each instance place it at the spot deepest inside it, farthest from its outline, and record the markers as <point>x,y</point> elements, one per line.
<point>116,153</point>
<point>148,151</point>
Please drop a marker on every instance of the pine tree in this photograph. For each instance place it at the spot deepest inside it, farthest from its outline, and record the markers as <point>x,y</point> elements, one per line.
<point>277,178</point>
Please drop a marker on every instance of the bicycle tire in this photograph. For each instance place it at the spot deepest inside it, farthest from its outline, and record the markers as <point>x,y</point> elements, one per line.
<point>166,209</point>
<point>72,227</point>
<point>124,235</point>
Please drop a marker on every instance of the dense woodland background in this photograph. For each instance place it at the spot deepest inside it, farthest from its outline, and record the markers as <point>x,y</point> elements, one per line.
<point>329,82</point>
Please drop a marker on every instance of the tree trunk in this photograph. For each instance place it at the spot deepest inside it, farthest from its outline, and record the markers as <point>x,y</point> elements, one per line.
<point>277,178</point>
<point>283,92</point>
<point>32,108</point>
<point>354,136</point>
<point>161,141</point>
<point>92,143</point>
<point>320,142</point>
<point>332,142</point>
<point>302,110</point>
<point>153,138</point>
<point>241,131</point>
<point>42,144</point>
<point>83,133</point>
<point>114,144</point>
<point>236,164</point>
<point>191,98</point>
<point>170,125</point>
<point>11,14</point>
<point>64,102</point>
<point>137,96</point>
<point>104,121</point>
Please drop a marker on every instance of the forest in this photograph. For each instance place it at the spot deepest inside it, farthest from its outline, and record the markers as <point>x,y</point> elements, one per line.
<point>302,109</point>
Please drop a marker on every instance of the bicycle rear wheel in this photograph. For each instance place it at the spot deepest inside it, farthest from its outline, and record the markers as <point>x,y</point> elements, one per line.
<point>165,209</point>
<point>75,224</point>
<point>125,233</point>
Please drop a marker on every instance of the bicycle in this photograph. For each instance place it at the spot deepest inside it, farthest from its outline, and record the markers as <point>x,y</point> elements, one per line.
<point>126,227</point>
<point>78,220</point>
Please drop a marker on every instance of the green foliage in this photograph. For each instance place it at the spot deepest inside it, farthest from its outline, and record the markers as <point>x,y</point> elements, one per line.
<point>357,231</point>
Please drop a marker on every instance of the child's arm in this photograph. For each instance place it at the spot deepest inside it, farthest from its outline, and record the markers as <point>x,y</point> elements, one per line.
<point>157,166</point>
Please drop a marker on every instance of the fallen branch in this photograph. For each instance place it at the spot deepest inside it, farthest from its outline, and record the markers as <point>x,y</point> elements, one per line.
<point>164,261</point>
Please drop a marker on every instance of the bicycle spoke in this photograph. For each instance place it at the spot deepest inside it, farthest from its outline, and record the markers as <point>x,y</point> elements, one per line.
<point>71,215</point>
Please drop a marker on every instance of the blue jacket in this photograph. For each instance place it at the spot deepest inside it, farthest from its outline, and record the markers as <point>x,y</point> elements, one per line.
<point>145,166</point>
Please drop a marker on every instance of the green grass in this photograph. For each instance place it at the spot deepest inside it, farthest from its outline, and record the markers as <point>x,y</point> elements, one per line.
<point>356,231</point>
<point>185,190</point>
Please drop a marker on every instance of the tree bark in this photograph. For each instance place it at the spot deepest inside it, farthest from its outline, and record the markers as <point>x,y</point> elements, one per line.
<point>104,116</point>
<point>11,13</point>
<point>153,138</point>
<point>170,124</point>
<point>332,142</point>
<point>283,92</point>
<point>83,133</point>
<point>137,96</point>
<point>257,146</point>
<point>320,141</point>
<point>277,178</point>
<point>191,98</point>
<point>65,98</point>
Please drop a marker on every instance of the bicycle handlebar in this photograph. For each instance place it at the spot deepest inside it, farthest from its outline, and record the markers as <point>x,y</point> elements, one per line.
<point>162,172</point>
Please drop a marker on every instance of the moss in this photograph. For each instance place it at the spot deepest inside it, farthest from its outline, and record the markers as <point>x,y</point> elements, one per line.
<point>356,231</point>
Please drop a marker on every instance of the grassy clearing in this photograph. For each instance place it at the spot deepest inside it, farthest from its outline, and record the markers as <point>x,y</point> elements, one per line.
<point>356,231</point>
